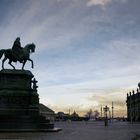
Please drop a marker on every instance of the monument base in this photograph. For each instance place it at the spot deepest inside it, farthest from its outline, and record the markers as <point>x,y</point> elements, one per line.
<point>19,104</point>
<point>26,124</point>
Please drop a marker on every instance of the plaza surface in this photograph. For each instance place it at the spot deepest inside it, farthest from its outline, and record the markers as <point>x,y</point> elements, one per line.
<point>83,131</point>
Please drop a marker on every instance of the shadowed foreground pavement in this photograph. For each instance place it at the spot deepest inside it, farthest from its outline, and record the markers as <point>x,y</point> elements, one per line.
<point>83,131</point>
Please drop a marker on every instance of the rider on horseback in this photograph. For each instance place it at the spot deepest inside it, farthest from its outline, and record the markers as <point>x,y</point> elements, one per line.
<point>17,51</point>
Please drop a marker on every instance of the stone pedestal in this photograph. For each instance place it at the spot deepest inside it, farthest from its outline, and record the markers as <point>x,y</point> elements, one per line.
<point>19,103</point>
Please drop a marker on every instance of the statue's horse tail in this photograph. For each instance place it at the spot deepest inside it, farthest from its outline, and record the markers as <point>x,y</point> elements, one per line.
<point>1,53</point>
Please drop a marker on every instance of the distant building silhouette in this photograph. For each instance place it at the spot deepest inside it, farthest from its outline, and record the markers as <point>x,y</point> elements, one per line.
<point>61,116</point>
<point>133,105</point>
<point>74,116</point>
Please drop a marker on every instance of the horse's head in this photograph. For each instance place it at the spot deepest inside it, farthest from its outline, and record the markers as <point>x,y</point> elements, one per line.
<point>32,47</point>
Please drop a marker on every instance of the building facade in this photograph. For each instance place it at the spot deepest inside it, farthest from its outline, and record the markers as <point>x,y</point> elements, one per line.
<point>46,112</point>
<point>133,105</point>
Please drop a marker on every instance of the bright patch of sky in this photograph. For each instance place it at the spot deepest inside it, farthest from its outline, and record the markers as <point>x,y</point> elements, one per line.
<point>87,52</point>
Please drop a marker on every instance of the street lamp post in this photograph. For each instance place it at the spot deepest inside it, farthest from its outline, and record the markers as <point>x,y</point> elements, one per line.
<point>112,112</point>
<point>106,109</point>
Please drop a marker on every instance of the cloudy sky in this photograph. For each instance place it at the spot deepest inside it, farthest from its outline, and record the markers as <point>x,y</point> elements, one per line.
<point>87,51</point>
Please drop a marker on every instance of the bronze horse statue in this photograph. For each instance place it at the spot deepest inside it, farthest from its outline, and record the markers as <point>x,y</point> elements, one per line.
<point>8,54</point>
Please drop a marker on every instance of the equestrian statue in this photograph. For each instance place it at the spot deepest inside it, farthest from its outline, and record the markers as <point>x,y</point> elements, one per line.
<point>18,53</point>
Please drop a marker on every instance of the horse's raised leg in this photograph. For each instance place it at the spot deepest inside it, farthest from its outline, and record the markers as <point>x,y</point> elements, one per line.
<point>31,62</point>
<point>11,64</point>
<point>3,62</point>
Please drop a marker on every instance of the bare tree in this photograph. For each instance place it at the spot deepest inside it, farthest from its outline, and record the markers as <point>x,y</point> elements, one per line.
<point>89,113</point>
